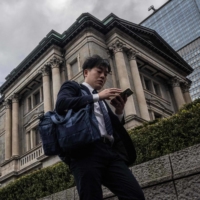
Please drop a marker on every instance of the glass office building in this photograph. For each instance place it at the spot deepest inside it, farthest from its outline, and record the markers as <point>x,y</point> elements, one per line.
<point>178,22</point>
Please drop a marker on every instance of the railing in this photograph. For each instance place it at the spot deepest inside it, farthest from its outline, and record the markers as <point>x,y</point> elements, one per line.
<point>30,157</point>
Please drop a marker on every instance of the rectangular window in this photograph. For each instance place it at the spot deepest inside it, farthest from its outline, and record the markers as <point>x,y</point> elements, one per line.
<point>37,137</point>
<point>29,102</point>
<point>147,83</point>
<point>157,89</point>
<point>75,68</point>
<point>36,98</point>
<point>157,115</point>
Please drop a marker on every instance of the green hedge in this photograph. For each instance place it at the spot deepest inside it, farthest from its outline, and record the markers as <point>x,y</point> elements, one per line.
<point>164,136</point>
<point>153,139</point>
<point>39,183</point>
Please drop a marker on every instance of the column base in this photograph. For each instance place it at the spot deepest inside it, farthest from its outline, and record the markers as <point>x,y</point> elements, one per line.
<point>9,166</point>
<point>132,121</point>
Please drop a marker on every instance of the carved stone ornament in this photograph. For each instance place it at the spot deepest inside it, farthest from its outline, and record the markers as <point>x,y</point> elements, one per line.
<point>7,104</point>
<point>15,98</point>
<point>45,70</point>
<point>175,82</point>
<point>109,53</point>
<point>117,46</point>
<point>62,68</point>
<point>185,86</point>
<point>55,62</point>
<point>131,54</point>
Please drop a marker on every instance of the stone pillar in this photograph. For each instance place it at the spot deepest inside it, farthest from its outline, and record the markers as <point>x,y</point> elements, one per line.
<point>138,85</point>
<point>15,125</point>
<point>112,69</point>
<point>185,88</point>
<point>117,48</point>
<point>28,141</point>
<point>8,130</point>
<point>32,138</point>
<point>69,71</point>
<point>79,62</point>
<point>63,77</point>
<point>46,87</point>
<point>178,95</point>
<point>55,65</point>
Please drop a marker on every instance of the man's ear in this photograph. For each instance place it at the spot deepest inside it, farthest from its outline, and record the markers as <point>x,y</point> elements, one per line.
<point>85,73</point>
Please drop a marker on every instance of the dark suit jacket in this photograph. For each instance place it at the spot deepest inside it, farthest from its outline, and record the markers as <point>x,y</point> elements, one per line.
<point>70,97</point>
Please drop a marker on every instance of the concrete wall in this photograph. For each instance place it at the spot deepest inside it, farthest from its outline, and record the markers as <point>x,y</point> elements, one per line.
<point>172,177</point>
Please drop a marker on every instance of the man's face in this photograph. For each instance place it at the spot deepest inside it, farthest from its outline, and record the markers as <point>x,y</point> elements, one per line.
<point>96,76</point>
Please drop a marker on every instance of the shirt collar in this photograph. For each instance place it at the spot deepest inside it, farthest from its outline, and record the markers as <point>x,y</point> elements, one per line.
<point>88,86</point>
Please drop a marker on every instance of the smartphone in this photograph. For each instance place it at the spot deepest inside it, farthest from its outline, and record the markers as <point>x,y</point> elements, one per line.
<point>128,92</point>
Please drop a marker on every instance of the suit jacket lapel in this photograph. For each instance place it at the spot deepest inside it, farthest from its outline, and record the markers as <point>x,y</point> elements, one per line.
<point>85,88</point>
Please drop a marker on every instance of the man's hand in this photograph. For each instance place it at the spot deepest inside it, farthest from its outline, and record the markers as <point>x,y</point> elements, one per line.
<point>118,102</point>
<point>109,93</point>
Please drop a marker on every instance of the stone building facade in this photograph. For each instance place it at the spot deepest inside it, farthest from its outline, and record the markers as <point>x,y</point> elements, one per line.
<point>140,59</point>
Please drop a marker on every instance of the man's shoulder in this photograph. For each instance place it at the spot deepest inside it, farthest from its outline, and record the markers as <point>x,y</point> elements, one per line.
<point>73,83</point>
<point>70,84</point>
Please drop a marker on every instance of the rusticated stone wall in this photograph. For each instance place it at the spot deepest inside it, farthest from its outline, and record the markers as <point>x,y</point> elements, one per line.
<point>172,177</point>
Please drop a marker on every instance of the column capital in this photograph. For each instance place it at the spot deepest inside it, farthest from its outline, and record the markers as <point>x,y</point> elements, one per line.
<point>45,70</point>
<point>175,82</point>
<point>55,62</point>
<point>185,86</point>
<point>15,98</point>
<point>7,104</point>
<point>117,46</point>
<point>131,54</point>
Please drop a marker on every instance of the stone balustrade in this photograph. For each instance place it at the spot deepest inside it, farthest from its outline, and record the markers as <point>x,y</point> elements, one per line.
<point>31,157</point>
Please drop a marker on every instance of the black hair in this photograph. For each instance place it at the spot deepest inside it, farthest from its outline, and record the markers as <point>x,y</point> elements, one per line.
<point>96,61</point>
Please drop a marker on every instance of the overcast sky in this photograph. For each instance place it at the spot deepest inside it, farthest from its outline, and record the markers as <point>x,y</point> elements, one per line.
<point>24,23</point>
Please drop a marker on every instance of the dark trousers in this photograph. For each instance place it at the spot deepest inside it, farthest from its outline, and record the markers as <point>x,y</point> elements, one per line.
<point>100,165</point>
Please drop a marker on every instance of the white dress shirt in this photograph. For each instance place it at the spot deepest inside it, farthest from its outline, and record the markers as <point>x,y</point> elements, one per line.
<point>99,115</point>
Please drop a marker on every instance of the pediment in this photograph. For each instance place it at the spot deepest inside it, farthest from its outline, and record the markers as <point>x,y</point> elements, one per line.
<point>33,119</point>
<point>157,103</point>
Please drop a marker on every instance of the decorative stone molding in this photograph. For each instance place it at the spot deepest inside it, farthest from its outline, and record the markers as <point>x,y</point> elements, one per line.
<point>7,104</point>
<point>15,98</point>
<point>117,46</point>
<point>185,86</point>
<point>62,68</point>
<point>45,70</point>
<point>175,82</point>
<point>55,62</point>
<point>131,54</point>
<point>109,53</point>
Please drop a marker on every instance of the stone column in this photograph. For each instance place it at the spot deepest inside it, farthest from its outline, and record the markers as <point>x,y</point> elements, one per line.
<point>55,65</point>
<point>63,77</point>
<point>46,87</point>
<point>28,141</point>
<point>185,88</point>
<point>69,71</point>
<point>15,124</point>
<point>8,130</point>
<point>178,95</point>
<point>33,139</point>
<point>139,91</point>
<point>117,48</point>
<point>110,56</point>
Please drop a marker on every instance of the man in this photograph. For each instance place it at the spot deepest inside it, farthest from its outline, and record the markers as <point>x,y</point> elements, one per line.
<point>104,162</point>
